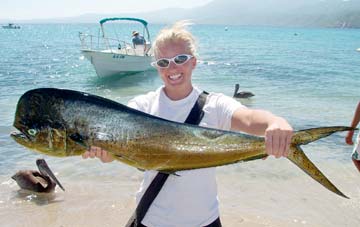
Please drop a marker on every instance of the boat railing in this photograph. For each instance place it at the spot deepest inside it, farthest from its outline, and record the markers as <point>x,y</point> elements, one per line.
<point>112,45</point>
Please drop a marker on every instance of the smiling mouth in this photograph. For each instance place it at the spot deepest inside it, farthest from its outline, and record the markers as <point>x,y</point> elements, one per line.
<point>175,77</point>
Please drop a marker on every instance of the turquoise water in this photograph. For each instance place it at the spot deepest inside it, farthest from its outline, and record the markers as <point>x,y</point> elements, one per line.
<point>308,76</point>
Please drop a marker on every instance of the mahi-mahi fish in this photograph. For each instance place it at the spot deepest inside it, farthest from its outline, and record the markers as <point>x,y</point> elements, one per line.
<point>63,123</point>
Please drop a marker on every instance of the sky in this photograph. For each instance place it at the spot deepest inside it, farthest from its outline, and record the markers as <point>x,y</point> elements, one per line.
<point>40,9</point>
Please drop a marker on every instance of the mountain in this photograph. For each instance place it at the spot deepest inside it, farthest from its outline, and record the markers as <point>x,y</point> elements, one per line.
<point>299,13</point>
<point>304,13</point>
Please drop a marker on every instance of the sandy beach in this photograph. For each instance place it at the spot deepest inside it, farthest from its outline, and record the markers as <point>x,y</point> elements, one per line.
<point>283,196</point>
<point>102,206</point>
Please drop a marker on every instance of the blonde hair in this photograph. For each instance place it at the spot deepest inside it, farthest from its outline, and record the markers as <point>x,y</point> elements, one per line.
<point>177,33</point>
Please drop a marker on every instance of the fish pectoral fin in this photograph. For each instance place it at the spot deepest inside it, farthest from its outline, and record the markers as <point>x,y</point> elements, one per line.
<point>298,157</point>
<point>79,139</point>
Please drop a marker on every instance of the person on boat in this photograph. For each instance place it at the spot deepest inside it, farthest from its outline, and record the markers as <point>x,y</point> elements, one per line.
<point>349,138</point>
<point>137,39</point>
<point>189,198</point>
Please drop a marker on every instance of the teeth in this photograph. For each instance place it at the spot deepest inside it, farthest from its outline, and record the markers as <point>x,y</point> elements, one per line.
<point>175,77</point>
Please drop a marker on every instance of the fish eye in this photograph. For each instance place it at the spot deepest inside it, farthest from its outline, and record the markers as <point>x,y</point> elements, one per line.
<point>32,132</point>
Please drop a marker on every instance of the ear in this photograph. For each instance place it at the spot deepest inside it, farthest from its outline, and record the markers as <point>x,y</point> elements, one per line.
<point>193,62</point>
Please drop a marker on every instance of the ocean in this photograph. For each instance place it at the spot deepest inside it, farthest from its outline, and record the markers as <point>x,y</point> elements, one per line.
<point>310,76</point>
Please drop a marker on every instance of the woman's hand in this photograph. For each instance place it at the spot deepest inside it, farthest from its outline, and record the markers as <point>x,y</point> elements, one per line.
<point>99,153</point>
<point>278,138</point>
<point>349,137</point>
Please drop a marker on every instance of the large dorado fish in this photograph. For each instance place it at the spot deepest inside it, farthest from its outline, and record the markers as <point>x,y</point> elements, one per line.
<point>64,123</point>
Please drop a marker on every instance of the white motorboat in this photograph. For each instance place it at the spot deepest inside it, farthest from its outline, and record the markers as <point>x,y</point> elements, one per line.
<point>11,26</point>
<point>114,56</point>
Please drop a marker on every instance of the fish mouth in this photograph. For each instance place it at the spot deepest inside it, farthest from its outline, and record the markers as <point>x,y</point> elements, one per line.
<point>19,136</point>
<point>45,170</point>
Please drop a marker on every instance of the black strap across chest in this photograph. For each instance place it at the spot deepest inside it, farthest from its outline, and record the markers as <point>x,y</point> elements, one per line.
<point>195,116</point>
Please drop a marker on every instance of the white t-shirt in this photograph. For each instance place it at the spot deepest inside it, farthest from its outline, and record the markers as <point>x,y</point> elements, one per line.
<point>188,200</point>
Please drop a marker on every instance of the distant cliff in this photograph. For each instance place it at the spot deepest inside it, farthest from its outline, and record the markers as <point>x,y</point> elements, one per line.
<point>298,13</point>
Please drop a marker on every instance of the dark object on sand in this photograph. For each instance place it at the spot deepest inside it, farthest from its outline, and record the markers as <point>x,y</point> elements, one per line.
<point>43,181</point>
<point>242,94</point>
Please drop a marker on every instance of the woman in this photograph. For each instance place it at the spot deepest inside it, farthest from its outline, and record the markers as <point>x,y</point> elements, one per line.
<point>190,200</point>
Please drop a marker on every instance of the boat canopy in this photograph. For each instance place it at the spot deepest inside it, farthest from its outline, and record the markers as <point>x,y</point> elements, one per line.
<point>123,18</point>
<point>143,22</point>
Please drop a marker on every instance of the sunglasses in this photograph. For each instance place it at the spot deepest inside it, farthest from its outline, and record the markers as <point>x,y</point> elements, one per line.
<point>178,60</point>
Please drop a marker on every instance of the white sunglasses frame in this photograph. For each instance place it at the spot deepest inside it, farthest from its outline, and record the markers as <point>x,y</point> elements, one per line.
<point>154,64</point>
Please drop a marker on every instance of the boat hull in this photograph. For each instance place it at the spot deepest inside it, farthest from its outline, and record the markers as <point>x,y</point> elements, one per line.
<point>108,64</point>
<point>11,27</point>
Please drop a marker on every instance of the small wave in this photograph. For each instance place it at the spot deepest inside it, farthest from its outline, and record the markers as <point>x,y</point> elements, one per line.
<point>201,62</point>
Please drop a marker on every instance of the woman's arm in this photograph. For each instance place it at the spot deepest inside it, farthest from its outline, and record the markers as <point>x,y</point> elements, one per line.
<point>354,123</point>
<point>276,130</point>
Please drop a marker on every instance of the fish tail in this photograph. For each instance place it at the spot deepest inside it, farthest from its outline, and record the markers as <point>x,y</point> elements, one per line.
<point>306,136</point>
<point>298,157</point>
